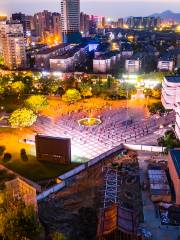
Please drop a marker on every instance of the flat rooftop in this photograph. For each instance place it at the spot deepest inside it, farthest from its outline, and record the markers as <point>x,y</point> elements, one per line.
<point>52,49</point>
<point>107,55</point>
<point>71,52</point>
<point>173,79</point>
<point>175,154</point>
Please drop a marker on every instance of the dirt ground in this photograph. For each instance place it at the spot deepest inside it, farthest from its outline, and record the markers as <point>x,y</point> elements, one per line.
<point>59,212</point>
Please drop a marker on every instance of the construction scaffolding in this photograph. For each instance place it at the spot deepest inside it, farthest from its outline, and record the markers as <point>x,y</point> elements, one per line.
<point>115,220</point>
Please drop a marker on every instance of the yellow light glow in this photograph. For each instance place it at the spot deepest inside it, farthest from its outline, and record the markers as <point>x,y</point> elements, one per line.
<point>125,26</point>
<point>178,28</point>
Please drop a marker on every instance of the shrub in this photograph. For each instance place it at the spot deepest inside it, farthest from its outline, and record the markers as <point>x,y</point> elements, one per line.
<point>24,156</point>
<point>2,149</point>
<point>7,157</point>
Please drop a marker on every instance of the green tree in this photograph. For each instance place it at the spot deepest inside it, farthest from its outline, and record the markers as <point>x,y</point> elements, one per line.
<point>57,236</point>
<point>156,92</point>
<point>169,140</point>
<point>148,92</point>
<point>17,87</point>
<point>36,103</point>
<point>86,90</point>
<point>2,90</point>
<point>71,96</point>
<point>22,117</point>
<point>126,90</point>
<point>156,108</point>
<point>18,222</point>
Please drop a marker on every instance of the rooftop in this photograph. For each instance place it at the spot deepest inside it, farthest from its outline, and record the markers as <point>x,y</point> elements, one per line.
<point>107,55</point>
<point>175,154</point>
<point>70,53</point>
<point>173,79</point>
<point>49,50</point>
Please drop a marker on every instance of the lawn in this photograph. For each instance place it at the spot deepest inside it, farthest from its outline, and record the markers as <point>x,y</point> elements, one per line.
<point>37,171</point>
<point>32,169</point>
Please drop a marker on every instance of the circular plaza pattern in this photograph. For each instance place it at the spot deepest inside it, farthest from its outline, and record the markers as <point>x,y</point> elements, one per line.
<point>89,121</point>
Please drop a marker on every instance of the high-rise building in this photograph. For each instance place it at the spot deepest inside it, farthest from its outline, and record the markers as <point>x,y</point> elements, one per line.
<point>56,25</point>
<point>93,24</point>
<point>13,45</point>
<point>84,23</point>
<point>70,15</point>
<point>120,22</point>
<point>24,20</point>
<point>40,24</point>
<point>143,22</point>
<point>47,27</point>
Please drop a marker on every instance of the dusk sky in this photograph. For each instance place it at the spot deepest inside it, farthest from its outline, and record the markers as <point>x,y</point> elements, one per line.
<point>109,8</point>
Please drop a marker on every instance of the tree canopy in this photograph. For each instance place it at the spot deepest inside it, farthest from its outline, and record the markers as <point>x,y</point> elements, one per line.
<point>36,103</point>
<point>57,236</point>
<point>17,87</point>
<point>22,117</point>
<point>86,90</point>
<point>71,96</point>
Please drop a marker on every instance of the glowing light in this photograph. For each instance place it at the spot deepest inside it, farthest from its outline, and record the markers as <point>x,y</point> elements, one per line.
<point>178,28</point>
<point>125,26</point>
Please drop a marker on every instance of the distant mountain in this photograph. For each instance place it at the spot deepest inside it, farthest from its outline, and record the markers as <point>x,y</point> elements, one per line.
<point>168,15</point>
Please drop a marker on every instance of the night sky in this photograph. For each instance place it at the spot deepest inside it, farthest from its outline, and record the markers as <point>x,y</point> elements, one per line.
<point>108,8</point>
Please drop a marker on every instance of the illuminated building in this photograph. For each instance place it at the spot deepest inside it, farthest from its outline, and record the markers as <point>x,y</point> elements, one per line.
<point>120,23</point>
<point>43,56</point>
<point>133,65</point>
<point>171,98</point>
<point>104,63</point>
<point>84,23</point>
<point>174,170</point>
<point>24,20</point>
<point>47,27</point>
<point>56,25</point>
<point>143,22</point>
<point>70,60</point>
<point>13,45</point>
<point>165,64</point>
<point>70,15</point>
<point>93,23</point>
<point>170,92</point>
<point>102,22</point>
<point>18,189</point>
<point>42,24</point>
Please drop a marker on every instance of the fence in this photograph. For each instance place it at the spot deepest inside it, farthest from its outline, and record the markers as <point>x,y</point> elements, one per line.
<point>76,171</point>
<point>51,190</point>
<point>145,148</point>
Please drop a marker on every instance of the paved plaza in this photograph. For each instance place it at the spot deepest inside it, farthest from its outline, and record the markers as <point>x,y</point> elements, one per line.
<point>119,125</point>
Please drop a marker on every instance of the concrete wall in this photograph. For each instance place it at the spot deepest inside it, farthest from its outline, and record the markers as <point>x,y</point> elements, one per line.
<point>76,171</point>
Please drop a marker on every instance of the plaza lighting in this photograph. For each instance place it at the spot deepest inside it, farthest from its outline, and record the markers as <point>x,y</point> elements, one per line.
<point>130,77</point>
<point>57,74</point>
<point>45,73</point>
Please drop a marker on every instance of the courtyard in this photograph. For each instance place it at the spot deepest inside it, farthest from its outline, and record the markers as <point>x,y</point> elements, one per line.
<point>121,122</point>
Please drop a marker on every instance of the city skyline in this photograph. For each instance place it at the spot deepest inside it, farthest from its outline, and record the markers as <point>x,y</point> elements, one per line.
<point>115,9</point>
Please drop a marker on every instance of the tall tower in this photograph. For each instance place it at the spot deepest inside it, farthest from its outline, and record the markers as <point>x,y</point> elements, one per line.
<point>70,15</point>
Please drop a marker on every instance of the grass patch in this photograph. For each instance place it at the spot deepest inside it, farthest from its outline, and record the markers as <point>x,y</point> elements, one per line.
<point>31,169</point>
<point>37,171</point>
